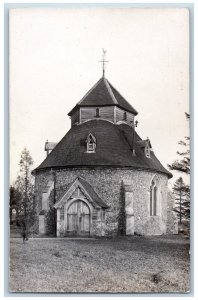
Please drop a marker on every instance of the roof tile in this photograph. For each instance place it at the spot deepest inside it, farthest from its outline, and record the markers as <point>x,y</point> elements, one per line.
<point>114,148</point>
<point>103,94</point>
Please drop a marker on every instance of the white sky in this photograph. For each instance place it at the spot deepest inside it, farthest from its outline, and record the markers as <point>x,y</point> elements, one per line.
<point>54,56</point>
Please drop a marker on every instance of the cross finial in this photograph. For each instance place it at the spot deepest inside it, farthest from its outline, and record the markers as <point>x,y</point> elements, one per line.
<point>103,61</point>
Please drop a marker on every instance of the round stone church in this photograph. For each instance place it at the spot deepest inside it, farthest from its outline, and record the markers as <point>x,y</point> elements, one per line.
<point>102,179</point>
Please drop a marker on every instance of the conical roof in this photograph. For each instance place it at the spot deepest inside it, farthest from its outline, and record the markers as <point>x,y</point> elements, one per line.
<point>113,148</point>
<point>103,94</point>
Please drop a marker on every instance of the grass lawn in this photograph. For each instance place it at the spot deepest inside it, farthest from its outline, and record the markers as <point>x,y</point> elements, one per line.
<point>135,264</point>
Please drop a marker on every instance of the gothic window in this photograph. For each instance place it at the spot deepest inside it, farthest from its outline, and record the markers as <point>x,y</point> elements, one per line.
<point>125,116</point>
<point>153,199</point>
<point>97,113</point>
<point>91,143</point>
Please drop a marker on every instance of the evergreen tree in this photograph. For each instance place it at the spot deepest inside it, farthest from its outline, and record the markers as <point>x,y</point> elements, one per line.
<point>15,202</point>
<point>25,185</point>
<point>182,199</point>
<point>180,189</point>
<point>183,164</point>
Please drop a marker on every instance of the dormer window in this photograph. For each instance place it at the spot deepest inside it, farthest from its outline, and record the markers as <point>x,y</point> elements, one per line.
<point>145,145</point>
<point>91,143</point>
<point>147,151</point>
<point>125,116</point>
<point>97,113</point>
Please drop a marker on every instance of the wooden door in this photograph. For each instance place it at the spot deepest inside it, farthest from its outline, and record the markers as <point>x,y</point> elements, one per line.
<point>78,219</point>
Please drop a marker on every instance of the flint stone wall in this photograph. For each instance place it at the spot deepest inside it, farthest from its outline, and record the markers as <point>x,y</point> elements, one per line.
<point>108,183</point>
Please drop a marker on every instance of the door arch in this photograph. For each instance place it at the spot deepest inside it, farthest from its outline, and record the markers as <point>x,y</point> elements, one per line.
<point>78,218</point>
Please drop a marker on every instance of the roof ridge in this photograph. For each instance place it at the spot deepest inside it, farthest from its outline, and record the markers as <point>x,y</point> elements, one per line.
<point>85,182</point>
<point>89,91</point>
<point>110,91</point>
<point>103,93</point>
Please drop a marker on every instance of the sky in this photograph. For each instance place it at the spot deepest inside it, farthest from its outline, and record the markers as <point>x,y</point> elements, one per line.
<point>54,60</point>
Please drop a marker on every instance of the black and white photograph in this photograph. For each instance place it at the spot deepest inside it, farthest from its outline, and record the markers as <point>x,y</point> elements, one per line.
<point>99,150</point>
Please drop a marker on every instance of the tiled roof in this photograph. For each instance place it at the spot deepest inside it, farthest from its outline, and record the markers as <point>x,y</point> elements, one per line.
<point>88,188</point>
<point>114,148</point>
<point>103,94</point>
<point>92,193</point>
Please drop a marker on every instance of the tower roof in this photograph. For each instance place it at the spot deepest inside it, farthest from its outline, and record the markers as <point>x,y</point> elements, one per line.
<point>103,94</point>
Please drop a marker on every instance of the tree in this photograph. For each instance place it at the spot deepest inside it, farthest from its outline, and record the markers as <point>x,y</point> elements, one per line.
<point>182,199</point>
<point>15,201</point>
<point>25,186</point>
<point>180,189</point>
<point>183,165</point>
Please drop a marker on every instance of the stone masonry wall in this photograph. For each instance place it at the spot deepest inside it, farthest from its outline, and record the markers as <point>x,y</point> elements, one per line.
<point>50,215</point>
<point>107,182</point>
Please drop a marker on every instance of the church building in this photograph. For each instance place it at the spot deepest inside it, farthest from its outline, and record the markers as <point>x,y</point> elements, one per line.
<point>102,179</point>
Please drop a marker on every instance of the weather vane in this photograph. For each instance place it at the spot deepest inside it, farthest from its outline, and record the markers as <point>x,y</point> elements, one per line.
<point>103,61</point>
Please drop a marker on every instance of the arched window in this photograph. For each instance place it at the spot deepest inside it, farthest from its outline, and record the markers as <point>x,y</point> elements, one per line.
<point>91,143</point>
<point>153,198</point>
<point>125,116</point>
